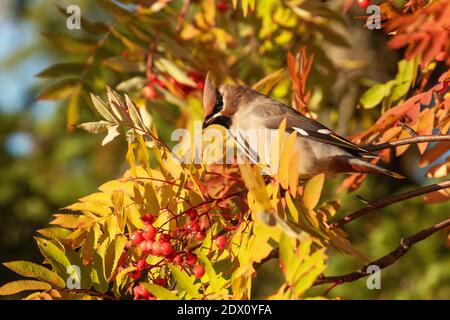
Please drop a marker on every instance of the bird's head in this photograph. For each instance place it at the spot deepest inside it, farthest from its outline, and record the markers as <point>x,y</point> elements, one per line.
<point>221,103</point>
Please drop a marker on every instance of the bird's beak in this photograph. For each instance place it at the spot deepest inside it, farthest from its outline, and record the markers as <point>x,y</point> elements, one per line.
<point>209,121</point>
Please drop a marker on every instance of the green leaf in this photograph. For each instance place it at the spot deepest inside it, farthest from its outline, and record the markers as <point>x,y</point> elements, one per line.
<point>121,276</point>
<point>287,258</point>
<point>32,270</point>
<point>55,256</point>
<point>373,97</point>
<point>407,71</point>
<point>55,233</point>
<point>121,14</point>
<point>23,285</point>
<point>62,69</point>
<point>103,109</point>
<point>92,27</point>
<point>60,89</point>
<point>185,282</point>
<point>151,200</point>
<point>85,270</point>
<point>96,127</point>
<point>73,109</point>
<point>309,270</point>
<point>217,283</point>
<point>134,114</point>
<point>98,276</point>
<point>113,253</point>
<point>120,64</point>
<point>160,292</point>
<point>70,44</point>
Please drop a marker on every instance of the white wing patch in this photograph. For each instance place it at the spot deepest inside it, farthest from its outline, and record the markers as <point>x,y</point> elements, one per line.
<point>301,131</point>
<point>324,131</point>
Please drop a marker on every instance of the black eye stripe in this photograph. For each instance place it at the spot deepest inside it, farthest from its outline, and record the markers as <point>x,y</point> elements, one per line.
<point>223,121</point>
<point>218,106</point>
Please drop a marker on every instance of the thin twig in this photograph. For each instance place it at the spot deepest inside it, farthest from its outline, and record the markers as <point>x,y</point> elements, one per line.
<point>388,259</point>
<point>272,255</point>
<point>402,142</point>
<point>384,202</point>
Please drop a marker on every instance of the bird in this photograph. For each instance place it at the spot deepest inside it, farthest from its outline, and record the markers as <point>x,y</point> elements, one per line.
<point>239,108</point>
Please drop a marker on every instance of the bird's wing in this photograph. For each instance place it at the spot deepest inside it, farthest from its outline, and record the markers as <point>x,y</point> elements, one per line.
<point>273,113</point>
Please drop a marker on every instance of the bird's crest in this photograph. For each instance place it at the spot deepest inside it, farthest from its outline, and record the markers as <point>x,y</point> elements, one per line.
<point>209,94</point>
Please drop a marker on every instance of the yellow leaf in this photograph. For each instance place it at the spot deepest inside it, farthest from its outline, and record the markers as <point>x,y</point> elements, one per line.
<point>256,186</point>
<point>285,159</point>
<point>268,82</point>
<point>209,7</point>
<point>71,220</point>
<point>312,192</point>
<point>294,173</point>
<point>96,208</point>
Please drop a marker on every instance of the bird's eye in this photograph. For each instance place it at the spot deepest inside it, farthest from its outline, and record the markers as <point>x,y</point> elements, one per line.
<point>219,103</point>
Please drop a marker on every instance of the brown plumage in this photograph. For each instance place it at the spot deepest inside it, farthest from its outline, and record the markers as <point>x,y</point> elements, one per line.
<point>240,109</point>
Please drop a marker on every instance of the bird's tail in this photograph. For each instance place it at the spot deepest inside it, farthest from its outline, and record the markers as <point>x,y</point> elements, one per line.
<point>366,167</point>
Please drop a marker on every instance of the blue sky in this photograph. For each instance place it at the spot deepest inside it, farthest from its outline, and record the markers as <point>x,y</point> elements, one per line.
<point>17,79</point>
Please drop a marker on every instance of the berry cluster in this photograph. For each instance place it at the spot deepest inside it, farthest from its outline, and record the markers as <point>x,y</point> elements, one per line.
<point>170,247</point>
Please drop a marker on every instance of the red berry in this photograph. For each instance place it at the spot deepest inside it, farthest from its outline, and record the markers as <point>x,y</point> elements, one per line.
<point>192,214</point>
<point>142,264</point>
<point>221,242</point>
<point>140,291</point>
<point>222,6</point>
<point>195,227</point>
<point>200,236</point>
<point>191,259</point>
<point>199,271</point>
<point>171,256</point>
<point>136,274</point>
<point>164,237</point>
<point>178,260</point>
<point>363,3</point>
<point>146,246</point>
<point>137,237</point>
<point>165,248</point>
<point>147,218</point>
<point>149,92</point>
<point>160,282</point>
<point>149,232</point>
<point>152,77</point>
<point>156,248</point>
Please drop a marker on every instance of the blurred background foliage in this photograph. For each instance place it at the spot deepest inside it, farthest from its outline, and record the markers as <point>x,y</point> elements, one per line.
<point>46,164</point>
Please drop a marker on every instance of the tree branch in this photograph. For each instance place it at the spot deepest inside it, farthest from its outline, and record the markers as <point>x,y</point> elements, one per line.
<point>390,258</point>
<point>401,142</point>
<point>272,255</point>
<point>384,202</point>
